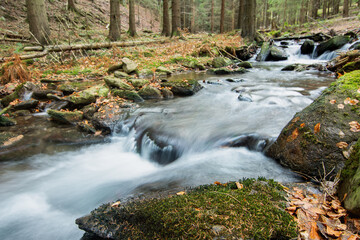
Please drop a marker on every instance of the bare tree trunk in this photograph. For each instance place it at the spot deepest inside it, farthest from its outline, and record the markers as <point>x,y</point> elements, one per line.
<point>346,8</point>
<point>222,16</point>
<point>336,7</point>
<point>166,21</point>
<point>265,13</point>
<point>248,26</point>
<point>303,12</point>
<point>175,10</point>
<point>212,16</point>
<point>38,21</point>
<point>285,13</point>
<point>241,14</point>
<point>192,22</point>
<point>115,23</point>
<point>132,23</point>
<point>71,5</point>
<point>233,15</point>
<point>324,9</point>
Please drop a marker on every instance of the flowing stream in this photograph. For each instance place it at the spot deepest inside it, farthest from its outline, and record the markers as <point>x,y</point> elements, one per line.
<point>40,197</point>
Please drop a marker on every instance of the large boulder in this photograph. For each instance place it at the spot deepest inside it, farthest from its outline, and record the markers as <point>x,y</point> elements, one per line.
<point>307,47</point>
<point>138,82</point>
<point>323,131</point>
<point>127,94</point>
<point>115,82</point>
<point>182,87</point>
<point>129,66</point>
<point>350,185</point>
<point>150,92</point>
<point>277,54</point>
<point>219,62</point>
<point>332,44</point>
<point>264,52</point>
<point>65,116</point>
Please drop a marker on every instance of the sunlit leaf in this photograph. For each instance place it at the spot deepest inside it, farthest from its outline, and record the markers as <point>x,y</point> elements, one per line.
<point>180,193</point>
<point>341,106</point>
<point>317,128</point>
<point>333,101</point>
<point>302,125</point>
<point>293,135</point>
<point>342,145</point>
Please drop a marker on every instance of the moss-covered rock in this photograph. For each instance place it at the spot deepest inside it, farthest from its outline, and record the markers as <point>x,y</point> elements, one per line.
<point>120,74</point>
<point>307,47</point>
<point>167,94</point>
<point>13,96</point>
<point>67,89</point>
<point>277,54</point>
<point>245,65</point>
<point>219,62</point>
<point>138,83</point>
<point>25,105</point>
<point>150,92</point>
<point>182,87</point>
<point>351,66</point>
<point>88,96</point>
<point>65,117</point>
<point>332,44</point>
<point>162,69</point>
<point>311,137</point>
<point>207,212</point>
<point>129,66</point>
<point>126,94</point>
<point>6,121</point>
<point>350,185</point>
<point>224,70</point>
<point>114,82</point>
<point>264,52</point>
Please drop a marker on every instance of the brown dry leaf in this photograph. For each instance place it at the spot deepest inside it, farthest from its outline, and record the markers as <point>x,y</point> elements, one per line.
<point>336,215</point>
<point>302,125</point>
<point>347,100</point>
<point>333,233</point>
<point>336,204</point>
<point>303,220</point>
<point>293,136</point>
<point>332,101</point>
<point>341,106</point>
<point>314,235</point>
<point>239,185</point>
<point>13,140</point>
<point>295,120</point>
<point>291,209</point>
<point>342,145</point>
<point>116,204</point>
<point>354,126</point>
<point>317,128</point>
<point>217,183</point>
<point>180,193</point>
<point>317,210</point>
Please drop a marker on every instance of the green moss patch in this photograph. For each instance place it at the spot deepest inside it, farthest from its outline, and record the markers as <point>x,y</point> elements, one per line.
<point>211,211</point>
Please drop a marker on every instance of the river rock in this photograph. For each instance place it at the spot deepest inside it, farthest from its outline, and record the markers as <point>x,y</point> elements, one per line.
<point>165,70</point>
<point>26,105</point>
<point>43,94</point>
<point>351,66</point>
<point>244,64</point>
<point>182,87</point>
<point>65,117</point>
<point>127,94</point>
<point>114,82</point>
<point>303,67</point>
<point>349,189</point>
<point>307,47</point>
<point>150,92</point>
<point>6,121</point>
<point>138,83</point>
<point>276,54</point>
<point>225,70</point>
<point>18,92</point>
<point>253,142</point>
<point>87,96</point>
<point>167,93</point>
<point>219,62</point>
<point>264,52</point>
<point>129,66</point>
<point>332,44</point>
<point>67,89</point>
<point>113,68</point>
<point>313,136</point>
<point>120,74</point>
<point>243,97</point>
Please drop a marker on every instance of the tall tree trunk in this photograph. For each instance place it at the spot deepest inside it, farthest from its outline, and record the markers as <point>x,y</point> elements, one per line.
<point>38,21</point>
<point>248,26</point>
<point>212,16</point>
<point>233,14</point>
<point>336,6</point>
<point>285,12</point>
<point>166,20</point>
<point>346,8</point>
<point>71,5</point>
<point>192,22</point>
<point>222,16</point>
<point>241,14</point>
<point>324,2</point>
<point>115,23</point>
<point>175,18</point>
<point>266,7</point>
<point>132,22</point>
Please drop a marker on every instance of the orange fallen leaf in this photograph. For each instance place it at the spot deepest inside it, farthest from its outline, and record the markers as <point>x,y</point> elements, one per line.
<point>317,128</point>
<point>341,106</point>
<point>331,232</point>
<point>217,183</point>
<point>302,125</point>
<point>342,145</point>
<point>293,135</point>
<point>347,100</point>
<point>314,235</point>
<point>116,204</point>
<point>180,193</point>
<point>332,101</point>
<point>354,126</point>
<point>353,102</point>
<point>239,185</point>
<point>295,120</point>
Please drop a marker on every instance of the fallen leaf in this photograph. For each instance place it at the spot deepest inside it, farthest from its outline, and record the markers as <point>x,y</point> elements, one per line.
<point>336,215</point>
<point>294,135</point>
<point>239,185</point>
<point>116,204</point>
<point>347,100</point>
<point>302,125</point>
<point>97,133</point>
<point>180,193</point>
<point>314,235</point>
<point>332,101</point>
<point>317,128</point>
<point>353,102</point>
<point>341,106</point>
<point>342,145</point>
<point>13,140</point>
<point>332,233</point>
<point>295,120</point>
<point>217,183</point>
<point>354,126</point>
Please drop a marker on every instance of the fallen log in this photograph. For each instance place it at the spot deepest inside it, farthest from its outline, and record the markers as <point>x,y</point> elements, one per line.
<point>92,46</point>
<point>25,57</point>
<point>14,40</point>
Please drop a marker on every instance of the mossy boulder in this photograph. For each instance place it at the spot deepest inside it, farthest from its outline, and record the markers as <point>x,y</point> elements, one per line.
<point>129,66</point>
<point>127,94</point>
<point>307,47</point>
<point>350,184</point>
<point>245,65</point>
<point>19,90</point>
<point>150,92</point>
<point>26,105</point>
<point>206,212</point>
<point>65,117</point>
<point>88,96</point>
<point>138,82</point>
<point>167,94</point>
<point>67,89</point>
<point>277,54</point>
<point>6,121</point>
<point>264,52</point>
<point>182,87</point>
<point>332,44</point>
<point>120,74</point>
<point>219,62</point>
<point>312,137</point>
<point>114,82</point>
<point>224,70</point>
<point>165,70</point>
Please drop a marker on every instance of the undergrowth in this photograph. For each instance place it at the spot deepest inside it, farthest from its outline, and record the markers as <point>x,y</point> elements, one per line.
<point>15,71</point>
